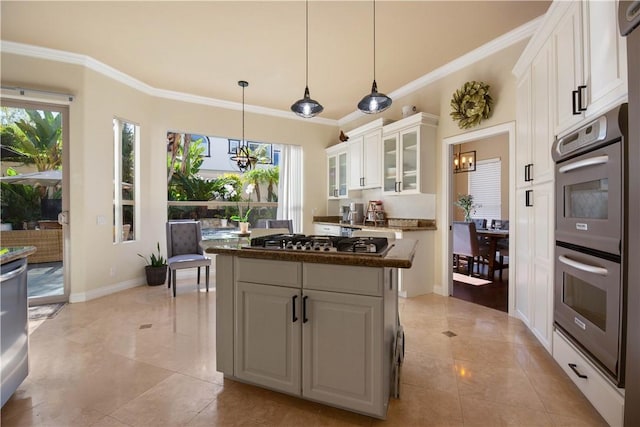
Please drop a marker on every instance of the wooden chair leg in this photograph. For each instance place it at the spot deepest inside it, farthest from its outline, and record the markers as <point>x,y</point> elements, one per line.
<point>169,278</point>
<point>198,276</point>
<point>207,277</point>
<point>174,283</point>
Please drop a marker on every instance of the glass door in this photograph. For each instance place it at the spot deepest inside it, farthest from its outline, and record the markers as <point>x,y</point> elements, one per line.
<point>410,161</point>
<point>333,177</point>
<point>342,174</point>
<point>34,136</point>
<point>389,162</point>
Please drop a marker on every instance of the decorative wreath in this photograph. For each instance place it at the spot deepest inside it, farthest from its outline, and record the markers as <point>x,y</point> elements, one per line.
<point>470,104</point>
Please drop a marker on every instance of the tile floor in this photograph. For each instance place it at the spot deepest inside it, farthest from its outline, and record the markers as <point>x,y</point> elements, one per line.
<point>142,358</point>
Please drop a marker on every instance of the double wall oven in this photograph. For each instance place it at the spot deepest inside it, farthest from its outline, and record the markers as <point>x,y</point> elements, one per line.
<point>589,292</point>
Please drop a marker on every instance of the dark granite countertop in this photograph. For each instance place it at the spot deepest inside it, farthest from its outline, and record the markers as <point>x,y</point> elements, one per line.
<point>423,224</point>
<point>12,254</point>
<point>399,256</point>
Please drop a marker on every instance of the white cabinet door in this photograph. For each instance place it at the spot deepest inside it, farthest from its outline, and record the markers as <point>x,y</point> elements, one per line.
<point>522,255</point>
<point>390,163</point>
<point>542,168</point>
<point>570,96</point>
<point>371,152</point>
<point>605,56</point>
<point>523,130</point>
<point>409,162</point>
<point>337,173</point>
<point>355,163</point>
<point>268,341</point>
<point>342,350</point>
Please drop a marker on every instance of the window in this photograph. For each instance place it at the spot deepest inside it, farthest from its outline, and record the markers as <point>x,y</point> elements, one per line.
<point>485,187</point>
<point>126,137</point>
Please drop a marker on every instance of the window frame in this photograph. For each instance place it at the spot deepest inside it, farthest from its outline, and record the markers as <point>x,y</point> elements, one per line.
<point>118,184</point>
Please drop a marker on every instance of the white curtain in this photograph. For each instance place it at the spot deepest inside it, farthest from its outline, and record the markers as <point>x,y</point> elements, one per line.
<point>290,186</point>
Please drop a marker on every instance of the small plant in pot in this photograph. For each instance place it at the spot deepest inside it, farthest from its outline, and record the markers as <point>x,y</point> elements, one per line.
<point>156,268</point>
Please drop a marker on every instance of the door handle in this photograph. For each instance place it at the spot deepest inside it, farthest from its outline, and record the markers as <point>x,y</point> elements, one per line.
<point>582,266</point>
<point>527,198</point>
<point>304,309</point>
<point>294,318</point>
<point>527,172</point>
<point>574,368</point>
<point>63,218</point>
<point>574,102</point>
<point>591,161</point>
<point>581,89</point>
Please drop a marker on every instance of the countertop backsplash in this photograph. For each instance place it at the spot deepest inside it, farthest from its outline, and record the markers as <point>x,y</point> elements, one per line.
<point>396,206</point>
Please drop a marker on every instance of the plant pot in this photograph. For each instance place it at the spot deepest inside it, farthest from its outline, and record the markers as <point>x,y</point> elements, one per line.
<point>244,227</point>
<point>156,275</point>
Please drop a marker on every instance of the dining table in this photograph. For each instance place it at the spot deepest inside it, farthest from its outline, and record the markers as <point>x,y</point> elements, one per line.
<point>492,236</point>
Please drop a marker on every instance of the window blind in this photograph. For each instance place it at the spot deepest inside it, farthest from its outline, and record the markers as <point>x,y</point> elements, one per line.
<point>485,185</point>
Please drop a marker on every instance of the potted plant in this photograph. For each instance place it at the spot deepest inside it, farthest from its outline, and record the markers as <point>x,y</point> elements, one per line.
<point>156,268</point>
<point>465,202</point>
<point>243,220</point>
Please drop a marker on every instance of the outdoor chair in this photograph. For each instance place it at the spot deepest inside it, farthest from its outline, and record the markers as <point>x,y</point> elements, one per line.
<point>184,250</point>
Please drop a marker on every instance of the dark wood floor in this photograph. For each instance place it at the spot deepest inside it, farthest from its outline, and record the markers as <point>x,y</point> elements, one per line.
<point>494,295</point>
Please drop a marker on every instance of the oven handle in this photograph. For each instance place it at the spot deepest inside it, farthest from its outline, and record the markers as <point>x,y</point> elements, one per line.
<point>583,267</point>
<point>599,160</point>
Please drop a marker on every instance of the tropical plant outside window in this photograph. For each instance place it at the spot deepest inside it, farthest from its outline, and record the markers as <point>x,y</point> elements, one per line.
<point>193,176</point>
<point>31,140</point>
<point>126,142</point>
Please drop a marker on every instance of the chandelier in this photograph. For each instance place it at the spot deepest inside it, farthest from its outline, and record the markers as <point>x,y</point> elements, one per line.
<point>243,157</point>
<point>464,162</point>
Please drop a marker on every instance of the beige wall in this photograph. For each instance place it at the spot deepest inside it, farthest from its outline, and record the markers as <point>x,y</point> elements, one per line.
<point>488,148</point>
<point>93,256</point>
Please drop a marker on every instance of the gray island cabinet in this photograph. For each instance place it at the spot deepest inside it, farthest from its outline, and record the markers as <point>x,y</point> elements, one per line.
<point>322,331</point>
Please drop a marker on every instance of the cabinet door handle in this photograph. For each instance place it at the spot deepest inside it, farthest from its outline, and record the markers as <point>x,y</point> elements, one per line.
<point>527,198</point>
<point>574,102</point>
<point>581,89</point>
<point>574,368</point>
<point>294,318</point>
<point>362,182</point>
<point>530,171</point>
<point>304,309</point>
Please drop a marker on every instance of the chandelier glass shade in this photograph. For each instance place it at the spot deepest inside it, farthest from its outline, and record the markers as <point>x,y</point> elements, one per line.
<point>307,107</point>
<point>243,157</point>
<point>375,102</point>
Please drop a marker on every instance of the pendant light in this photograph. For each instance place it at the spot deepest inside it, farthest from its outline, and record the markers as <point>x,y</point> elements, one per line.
<point>464,162</point>
<point>375,102</point>
<point>307,107</point>
<point>243,158</point>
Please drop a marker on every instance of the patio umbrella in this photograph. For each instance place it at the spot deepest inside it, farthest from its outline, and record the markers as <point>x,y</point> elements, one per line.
<point>44,178</point>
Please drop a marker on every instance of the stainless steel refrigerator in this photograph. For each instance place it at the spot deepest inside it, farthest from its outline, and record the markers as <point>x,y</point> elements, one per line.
<point>629,22</point>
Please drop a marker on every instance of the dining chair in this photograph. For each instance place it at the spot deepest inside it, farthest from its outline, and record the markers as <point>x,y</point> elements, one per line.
<point>261,223</point>
<point>184,250</point>
<point>480,223</point>
<point>466,244</point>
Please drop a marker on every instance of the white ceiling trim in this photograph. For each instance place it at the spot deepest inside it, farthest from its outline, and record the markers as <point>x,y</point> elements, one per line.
<point>502,42</point>
<point>508,39</point>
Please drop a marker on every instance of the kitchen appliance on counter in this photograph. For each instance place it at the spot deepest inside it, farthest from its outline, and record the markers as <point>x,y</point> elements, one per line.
<point>356,213</point>
<point>629,23</point>
<point>14,322</point>
<point>591,224</point>
<point>376,246</point>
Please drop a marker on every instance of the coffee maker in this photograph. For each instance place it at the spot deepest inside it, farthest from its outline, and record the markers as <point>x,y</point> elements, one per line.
<point>356,213</point>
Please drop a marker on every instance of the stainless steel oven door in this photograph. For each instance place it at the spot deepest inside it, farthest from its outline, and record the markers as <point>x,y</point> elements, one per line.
<point>589,199</point>
<point>587,298</point>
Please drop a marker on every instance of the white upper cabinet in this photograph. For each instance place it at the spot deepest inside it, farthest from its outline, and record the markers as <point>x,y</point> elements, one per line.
<point>408,155</point>
<point>589,63</point>
<point>337,171</point>
<point>364,146</point>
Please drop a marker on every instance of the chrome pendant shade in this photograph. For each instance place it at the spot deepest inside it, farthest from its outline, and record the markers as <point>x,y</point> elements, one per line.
<point>375,102</point>
<point>307,107</point>
<point>243,157</point>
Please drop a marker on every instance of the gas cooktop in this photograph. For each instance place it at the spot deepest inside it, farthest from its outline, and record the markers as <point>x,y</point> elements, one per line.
<point>377,246</point>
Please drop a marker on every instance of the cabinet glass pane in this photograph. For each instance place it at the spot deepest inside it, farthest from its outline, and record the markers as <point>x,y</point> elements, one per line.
<point>410,161</point>
<point>332,176</point>
<point>389,164</point>
<point>342,176</point>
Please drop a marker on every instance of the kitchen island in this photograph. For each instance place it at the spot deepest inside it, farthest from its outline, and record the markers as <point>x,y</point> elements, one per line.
<point>322,326</point>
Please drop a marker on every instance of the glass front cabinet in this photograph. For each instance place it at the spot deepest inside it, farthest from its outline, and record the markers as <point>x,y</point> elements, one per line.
<point>337,171</point>
<point>408,155</point>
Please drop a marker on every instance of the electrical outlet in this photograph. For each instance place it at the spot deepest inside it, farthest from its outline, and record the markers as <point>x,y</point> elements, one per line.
<point>101,220</point>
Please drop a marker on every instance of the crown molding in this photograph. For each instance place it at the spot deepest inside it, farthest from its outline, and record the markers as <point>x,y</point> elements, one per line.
<point>504,41</point>
<point>119,76</point>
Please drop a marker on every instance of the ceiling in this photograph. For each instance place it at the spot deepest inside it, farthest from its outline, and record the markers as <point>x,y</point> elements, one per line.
<point>204,47</point>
